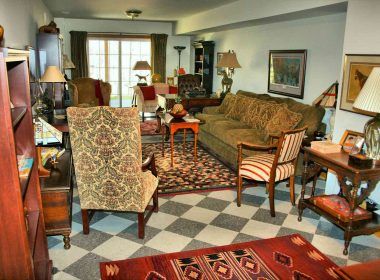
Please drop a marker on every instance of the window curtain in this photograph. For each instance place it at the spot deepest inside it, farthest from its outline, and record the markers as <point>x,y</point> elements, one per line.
<point>79,54</point>
<point>158,54</point>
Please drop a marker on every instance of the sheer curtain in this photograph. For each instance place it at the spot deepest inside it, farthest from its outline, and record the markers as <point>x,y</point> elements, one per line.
<point>79,54</point>
<point>158,54</point>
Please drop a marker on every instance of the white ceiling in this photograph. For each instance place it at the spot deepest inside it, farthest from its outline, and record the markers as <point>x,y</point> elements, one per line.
<point>160,10</point>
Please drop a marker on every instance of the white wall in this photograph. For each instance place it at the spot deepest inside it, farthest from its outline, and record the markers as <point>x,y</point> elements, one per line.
<point>321,36</point>
<point>362,36</point>
<point>21,20</point>
<point>126,26</point>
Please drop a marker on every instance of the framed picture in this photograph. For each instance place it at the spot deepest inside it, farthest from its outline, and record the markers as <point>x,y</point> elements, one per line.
<point>352,142</point>
<point>286,73</point>
<point>218,58</point>
<point>357,68</point>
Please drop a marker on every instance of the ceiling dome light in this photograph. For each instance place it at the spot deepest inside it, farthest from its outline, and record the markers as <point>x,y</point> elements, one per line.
<point>133,13</point>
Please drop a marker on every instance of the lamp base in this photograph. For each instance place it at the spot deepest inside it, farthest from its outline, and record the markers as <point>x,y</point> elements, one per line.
<point>372,138</point>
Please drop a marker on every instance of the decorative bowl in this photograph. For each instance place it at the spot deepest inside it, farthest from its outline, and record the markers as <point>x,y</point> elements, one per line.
<point>179,115</point>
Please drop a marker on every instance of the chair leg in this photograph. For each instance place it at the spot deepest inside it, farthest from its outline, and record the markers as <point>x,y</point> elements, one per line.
<point>239,183</point>
<point>155,201</point>
<point>143,116</point>
<point>85,221</point>
<point>267,187</point>
<point>271,199</point>
<point>141,225</point>
<point>291,190</point>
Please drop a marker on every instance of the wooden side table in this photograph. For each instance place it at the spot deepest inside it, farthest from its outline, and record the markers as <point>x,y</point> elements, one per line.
<point>350,177</point>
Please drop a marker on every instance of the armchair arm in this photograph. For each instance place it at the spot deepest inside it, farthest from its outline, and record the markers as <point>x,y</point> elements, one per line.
<point>150,164</point>
<point>273,138</point>
<point>248,145</point>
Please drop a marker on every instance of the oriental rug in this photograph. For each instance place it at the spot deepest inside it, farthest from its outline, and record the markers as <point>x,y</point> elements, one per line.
<point>286,257</point>
<point>149,127</point>
<point>207,173</point>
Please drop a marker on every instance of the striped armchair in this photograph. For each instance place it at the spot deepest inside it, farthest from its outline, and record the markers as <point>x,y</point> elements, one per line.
<point>271,167</point>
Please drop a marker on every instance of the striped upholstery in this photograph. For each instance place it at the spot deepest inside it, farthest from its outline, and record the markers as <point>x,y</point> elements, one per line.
<point>258,168</point>
<point>290,146</point>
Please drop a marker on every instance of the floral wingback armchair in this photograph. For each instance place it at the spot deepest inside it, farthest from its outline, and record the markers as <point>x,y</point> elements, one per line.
<point>106,147</point>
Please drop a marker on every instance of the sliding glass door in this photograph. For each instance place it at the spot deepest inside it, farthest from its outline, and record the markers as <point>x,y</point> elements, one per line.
<point>112,59</point>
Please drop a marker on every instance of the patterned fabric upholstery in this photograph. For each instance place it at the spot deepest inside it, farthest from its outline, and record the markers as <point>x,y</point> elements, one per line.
<point>188,82</point>
<point>106,146</point>
<point>85,92</point>
<point>227,104</point>
<point>258,168</point>
<point>283,120</point>
<point>290,146</point>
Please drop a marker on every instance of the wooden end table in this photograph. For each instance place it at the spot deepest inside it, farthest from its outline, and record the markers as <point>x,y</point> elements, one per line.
<point>350,178</point>
<point>173,126</point>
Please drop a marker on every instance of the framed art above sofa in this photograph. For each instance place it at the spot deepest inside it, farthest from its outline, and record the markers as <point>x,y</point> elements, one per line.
<point>357,68</point>
<point>286,72</point>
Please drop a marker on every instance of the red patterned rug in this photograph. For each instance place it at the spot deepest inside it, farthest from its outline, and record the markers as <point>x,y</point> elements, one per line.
<point>149,127</point>
<point>286,257</point>
<point>186,176</point>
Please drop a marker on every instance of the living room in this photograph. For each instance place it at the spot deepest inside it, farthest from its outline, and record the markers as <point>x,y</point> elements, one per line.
<point>331,31</point>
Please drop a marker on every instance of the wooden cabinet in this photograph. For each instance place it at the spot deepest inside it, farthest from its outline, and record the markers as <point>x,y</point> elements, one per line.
<point>23,244</point>
<point>204,62</point>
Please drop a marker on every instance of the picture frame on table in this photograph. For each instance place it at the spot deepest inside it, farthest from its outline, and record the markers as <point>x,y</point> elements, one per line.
<point>286,72</point>
<point>357,68</point>
<point>219,70</point>
<point>352,142</point>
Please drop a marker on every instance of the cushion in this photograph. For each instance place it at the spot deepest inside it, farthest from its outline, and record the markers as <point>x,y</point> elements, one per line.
<point>258,168</point>
<point>148,92</point>
<point>173,90</point>
<point>227,104</point>
<point>259,113</point>
<point>283,120</point>
<point>338,207</point>
<point>161,88</point>
<point>209,117</point>
<point>240,107</point>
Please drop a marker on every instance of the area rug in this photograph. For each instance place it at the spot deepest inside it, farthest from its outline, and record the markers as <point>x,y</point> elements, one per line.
<point>286,257</point>
<point>148,127</point>
<point>186,176</point>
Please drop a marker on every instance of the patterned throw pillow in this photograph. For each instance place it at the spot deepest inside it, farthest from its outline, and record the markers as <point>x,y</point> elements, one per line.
<point>240,107</point>
<point>260,112</point>
<point>284,119</point>
<point>227,104</point>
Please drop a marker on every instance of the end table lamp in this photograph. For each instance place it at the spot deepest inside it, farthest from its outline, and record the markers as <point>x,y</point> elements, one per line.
<point>229,61</point>
<point>53,75</point>
<point>369,100</point>
<point>142,65</point>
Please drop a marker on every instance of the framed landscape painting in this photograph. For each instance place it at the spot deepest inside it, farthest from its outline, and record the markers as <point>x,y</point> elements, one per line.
<point>357,68</point>
<point>286,75</point>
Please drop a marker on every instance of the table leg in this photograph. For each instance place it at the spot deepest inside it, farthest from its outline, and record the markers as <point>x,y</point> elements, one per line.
<point>159,110</point>
<point>66,241</point>
<point>304,181</point>
<point>171,149</point>
<point>184,140</point>
<point>195,146</point>
<point>163,128</point>
<point>347,240</point>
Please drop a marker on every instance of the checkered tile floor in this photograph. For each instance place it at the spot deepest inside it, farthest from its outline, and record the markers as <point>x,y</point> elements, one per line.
<point>198,220</point>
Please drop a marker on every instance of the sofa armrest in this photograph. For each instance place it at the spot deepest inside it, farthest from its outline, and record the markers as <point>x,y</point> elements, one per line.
<point>212,110</point>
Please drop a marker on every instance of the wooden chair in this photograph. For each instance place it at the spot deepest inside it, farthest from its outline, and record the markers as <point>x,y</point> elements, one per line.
<point>271,168</point>
<point>106,147</point>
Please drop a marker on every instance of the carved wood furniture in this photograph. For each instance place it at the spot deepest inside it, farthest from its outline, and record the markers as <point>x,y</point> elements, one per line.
<point>204,62</point>
<point>350,178</point>
<point>23,245</point>
<point>367,270</point>
<point>57,195</point>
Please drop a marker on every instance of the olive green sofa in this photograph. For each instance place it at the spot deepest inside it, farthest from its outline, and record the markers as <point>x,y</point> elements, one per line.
<point>219,133</point>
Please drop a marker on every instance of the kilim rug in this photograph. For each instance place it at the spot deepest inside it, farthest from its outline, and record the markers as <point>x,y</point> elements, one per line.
<point>286,257</point>
<point>185,175</point>
<point>149,127</point>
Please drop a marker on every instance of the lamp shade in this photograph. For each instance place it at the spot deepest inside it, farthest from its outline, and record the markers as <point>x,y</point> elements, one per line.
<point>141,65</point>
<point>52,75</point>
<point>369,97</point>
<point>67,63</point>
<point>328,98</point>
<point>228,60</point>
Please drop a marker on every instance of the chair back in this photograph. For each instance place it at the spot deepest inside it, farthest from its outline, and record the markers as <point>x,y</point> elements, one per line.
<point>86,92</point>
<point>289,145</point>
<point>188,82</point>
<point>106,147</point>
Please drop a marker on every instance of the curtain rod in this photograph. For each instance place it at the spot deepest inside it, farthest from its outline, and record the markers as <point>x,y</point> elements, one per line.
<point>118,34</point>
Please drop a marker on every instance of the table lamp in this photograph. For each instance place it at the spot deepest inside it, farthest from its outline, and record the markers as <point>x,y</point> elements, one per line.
<point>142,65</point>
<point>67,64</point>
<point>369,100</point>
<point>229,61</point>
<point>53,75</point>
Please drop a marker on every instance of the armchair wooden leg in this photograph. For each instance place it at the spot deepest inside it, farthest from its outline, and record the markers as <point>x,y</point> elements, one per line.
<point>291,190</point>
<point>267,187</point>
<point>271,199</point>
<point>155,201</point>
<point>85,221</point>
<point>143,116</point>
<point>141,225</point>
<point>239,183</point>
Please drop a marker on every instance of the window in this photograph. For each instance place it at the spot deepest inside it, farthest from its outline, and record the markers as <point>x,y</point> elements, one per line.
<point>112,58</point>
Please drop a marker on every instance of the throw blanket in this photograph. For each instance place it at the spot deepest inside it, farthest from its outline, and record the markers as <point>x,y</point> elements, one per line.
<point>98,93</point>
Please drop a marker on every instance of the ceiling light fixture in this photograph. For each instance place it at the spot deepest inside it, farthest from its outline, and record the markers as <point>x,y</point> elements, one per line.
<point>133,13</point>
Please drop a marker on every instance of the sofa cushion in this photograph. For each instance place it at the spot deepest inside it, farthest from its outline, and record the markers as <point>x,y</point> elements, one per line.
<point>148,92</point>
<point>240,107</point>
<point>259,113</point>
<point>227,104</point>
<point>210,117</point>
<point>284,119</point>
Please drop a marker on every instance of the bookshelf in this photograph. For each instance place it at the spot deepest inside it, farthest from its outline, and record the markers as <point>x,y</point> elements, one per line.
<point>23,246</point>
<point>204,62</point>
